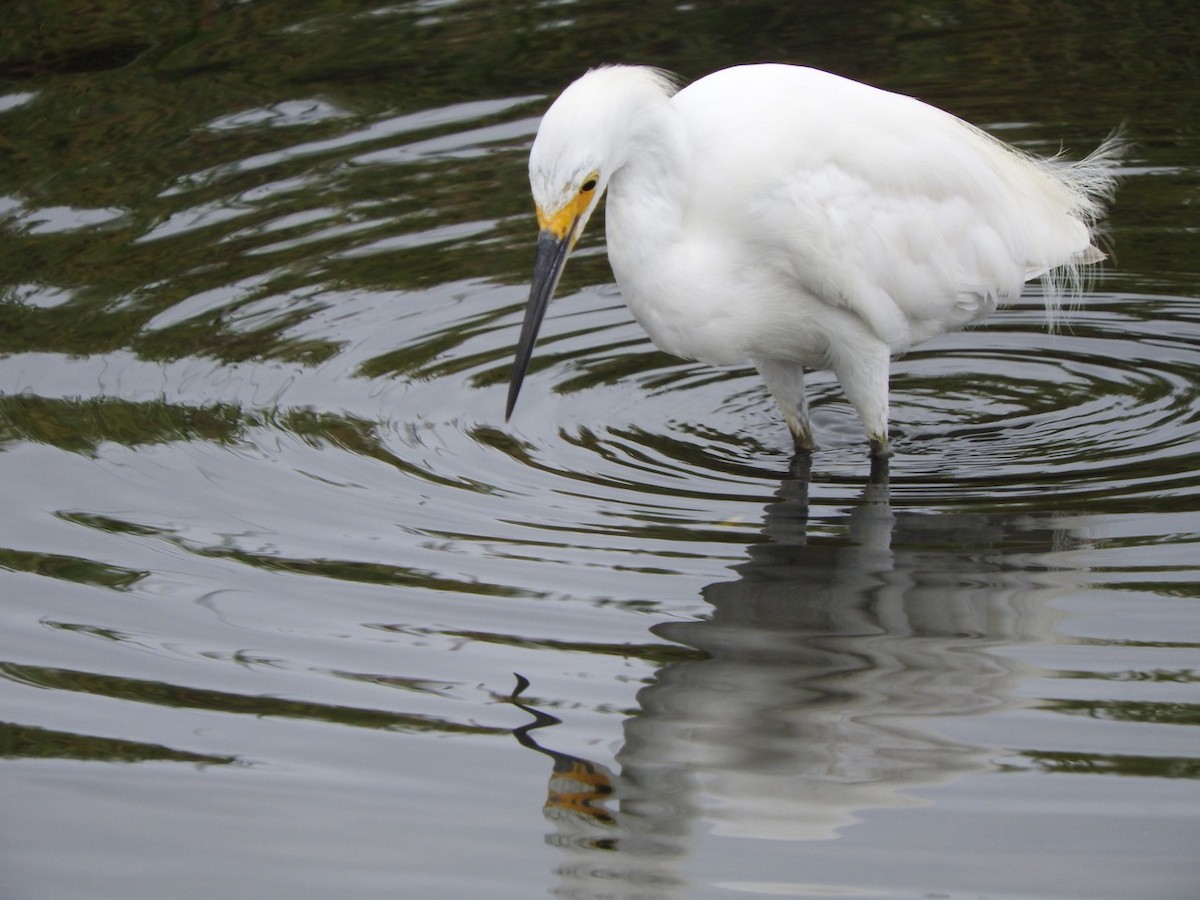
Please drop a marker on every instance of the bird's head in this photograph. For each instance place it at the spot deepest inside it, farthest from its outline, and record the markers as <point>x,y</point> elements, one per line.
<point>584,137</point>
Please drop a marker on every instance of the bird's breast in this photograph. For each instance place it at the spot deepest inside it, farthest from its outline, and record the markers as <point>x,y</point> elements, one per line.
<point>699,300</point>
<point>702,287</point>
<point>678,308</point>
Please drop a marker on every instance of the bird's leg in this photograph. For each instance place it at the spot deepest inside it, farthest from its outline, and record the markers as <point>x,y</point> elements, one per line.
<point>785,381</point>
<point>864,380</point>
<point>880,468</point>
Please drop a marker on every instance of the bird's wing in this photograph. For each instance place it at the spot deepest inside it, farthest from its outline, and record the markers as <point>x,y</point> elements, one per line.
<point>872,201</point>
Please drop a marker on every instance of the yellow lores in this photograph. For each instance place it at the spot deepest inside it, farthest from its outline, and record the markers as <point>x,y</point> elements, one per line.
<point>562,223</point>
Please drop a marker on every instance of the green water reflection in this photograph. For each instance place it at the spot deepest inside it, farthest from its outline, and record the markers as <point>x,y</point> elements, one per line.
<point>143,133</point>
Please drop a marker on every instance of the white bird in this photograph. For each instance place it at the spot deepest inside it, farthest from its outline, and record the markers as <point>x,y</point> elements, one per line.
<point>797,219</point>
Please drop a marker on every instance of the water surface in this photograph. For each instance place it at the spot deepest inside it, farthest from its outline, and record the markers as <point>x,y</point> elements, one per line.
<point>289,610</point>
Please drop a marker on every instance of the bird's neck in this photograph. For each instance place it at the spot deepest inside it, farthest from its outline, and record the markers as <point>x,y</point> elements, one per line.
<point>647,192</point>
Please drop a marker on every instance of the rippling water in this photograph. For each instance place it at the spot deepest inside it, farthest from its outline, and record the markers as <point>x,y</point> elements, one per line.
<point>290,610</point>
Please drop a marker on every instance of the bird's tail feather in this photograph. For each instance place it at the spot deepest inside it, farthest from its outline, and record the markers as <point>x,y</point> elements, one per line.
<point>1092,182</point>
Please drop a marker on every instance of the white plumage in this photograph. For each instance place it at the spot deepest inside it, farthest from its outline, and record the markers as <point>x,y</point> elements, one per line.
<point>796,219</point>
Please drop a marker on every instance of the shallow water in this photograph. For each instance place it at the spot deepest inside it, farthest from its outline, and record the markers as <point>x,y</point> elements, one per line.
<point>289,610</point>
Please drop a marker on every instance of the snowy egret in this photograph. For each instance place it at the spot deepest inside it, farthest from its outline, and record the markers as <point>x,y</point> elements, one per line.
<point>796,219</point>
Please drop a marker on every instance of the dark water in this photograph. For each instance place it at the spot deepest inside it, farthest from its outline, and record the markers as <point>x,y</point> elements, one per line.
<point>270,557</point>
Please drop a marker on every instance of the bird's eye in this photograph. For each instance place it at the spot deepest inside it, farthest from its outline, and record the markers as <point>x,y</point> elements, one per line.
<point>588,186</point>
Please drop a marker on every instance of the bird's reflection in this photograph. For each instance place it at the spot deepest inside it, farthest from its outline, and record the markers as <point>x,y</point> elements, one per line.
<point>832,664</point>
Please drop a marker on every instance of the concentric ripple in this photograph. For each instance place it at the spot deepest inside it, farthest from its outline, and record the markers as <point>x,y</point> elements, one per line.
<point>1102,410</point>
<point>1106,408</point>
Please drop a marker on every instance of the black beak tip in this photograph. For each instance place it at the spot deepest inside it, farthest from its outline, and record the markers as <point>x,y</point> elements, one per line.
<point>514,388</point>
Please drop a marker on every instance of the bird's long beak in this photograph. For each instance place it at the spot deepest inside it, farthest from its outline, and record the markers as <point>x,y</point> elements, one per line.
<point>552,253</point>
